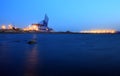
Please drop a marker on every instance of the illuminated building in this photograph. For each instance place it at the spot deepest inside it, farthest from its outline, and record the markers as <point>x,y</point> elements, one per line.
<point>99,31</point>
<point>41,27</point>
<point>10,27</point>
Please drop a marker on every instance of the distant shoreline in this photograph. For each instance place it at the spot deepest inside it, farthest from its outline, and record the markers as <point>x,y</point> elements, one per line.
<point>53,33</point>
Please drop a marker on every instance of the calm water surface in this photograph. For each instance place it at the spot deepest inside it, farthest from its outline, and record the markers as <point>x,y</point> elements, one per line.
<point>60,55</point>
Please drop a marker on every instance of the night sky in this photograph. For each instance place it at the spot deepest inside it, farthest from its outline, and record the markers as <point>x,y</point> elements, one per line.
<point>73,15</point>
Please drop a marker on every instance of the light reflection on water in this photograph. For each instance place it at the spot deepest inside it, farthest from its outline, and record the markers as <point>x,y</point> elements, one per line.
<point>31,62</point>
<point>59,55</point>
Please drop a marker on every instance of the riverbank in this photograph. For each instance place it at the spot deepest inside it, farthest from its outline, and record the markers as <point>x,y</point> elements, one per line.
<point>39,32</point>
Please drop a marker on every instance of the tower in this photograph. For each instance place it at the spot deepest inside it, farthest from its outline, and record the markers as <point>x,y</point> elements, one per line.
<point>45,21</point>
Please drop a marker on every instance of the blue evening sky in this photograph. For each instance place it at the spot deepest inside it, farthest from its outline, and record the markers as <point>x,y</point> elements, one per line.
<point>73,15</point>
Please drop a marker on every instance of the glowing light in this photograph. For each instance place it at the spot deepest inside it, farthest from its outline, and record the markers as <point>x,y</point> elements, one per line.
<point>31,28</point>
<point>99,31</point>
<point>35,27</point>
<point>3,27</point>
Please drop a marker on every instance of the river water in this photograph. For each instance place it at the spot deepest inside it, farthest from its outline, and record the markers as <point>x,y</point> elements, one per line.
<point>60,55</point>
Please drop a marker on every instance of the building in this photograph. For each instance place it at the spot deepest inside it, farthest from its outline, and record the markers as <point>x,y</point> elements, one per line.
<point>40,27</point>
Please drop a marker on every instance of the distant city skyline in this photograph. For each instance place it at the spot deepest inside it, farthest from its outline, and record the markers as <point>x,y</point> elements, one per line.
<point>73,15</point>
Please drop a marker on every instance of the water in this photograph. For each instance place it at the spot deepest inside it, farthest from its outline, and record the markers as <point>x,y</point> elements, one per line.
<point>60,55</point>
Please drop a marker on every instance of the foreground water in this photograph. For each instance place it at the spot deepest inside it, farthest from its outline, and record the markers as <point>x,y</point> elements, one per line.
<point>60,55</point>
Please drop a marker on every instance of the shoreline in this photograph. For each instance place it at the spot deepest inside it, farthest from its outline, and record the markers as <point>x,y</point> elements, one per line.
<point>53,33</point>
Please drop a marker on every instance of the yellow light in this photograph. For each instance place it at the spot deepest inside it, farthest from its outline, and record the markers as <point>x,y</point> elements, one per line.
<point>35,28</point>
<point>3,27</point>
<point>99,31</point>
<point>31,28</point>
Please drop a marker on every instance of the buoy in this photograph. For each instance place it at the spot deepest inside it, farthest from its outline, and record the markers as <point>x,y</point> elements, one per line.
<point>32,42</point>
